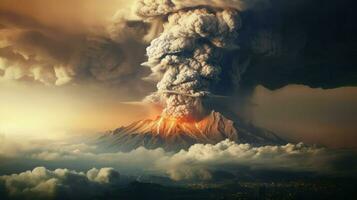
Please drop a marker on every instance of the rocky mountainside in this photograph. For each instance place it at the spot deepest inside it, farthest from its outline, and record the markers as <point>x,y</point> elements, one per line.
<point>173,135</point>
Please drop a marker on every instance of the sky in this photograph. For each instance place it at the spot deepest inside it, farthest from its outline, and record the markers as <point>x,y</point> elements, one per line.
<point>71,67</point>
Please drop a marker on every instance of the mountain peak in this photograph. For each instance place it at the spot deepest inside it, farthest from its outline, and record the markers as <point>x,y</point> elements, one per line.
<point>174,134</point>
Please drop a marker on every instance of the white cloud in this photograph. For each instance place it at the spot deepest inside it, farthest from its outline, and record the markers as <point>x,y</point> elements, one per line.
<point>45,184</point>
<point>201,159</point>
<point>198,162</point>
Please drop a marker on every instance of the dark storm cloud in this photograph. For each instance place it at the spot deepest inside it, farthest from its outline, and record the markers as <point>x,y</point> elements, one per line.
<point>300,42</point>
<point>293,42</point>
<point>303,42</point>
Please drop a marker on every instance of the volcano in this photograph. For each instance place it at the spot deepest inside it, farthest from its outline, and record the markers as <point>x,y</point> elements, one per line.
<point>172,134</point>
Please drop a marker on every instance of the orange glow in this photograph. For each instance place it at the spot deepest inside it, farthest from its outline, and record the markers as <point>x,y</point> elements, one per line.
<point>171,122</point>
<point>166,125</point>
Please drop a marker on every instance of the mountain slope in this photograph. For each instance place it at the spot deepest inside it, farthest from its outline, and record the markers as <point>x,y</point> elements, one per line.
<point>174,135</point>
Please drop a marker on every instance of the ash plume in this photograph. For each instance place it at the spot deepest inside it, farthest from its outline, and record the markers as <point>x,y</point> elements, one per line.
<point>186,58</point>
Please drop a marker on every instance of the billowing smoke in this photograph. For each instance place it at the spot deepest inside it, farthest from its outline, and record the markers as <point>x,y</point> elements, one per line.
<point>186,58</point>
<point>33,51</point>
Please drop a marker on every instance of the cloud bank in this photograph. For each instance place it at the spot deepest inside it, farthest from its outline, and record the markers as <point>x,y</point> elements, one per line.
<point>199,162</point>
<point>73,170</point>
<point>41,183</point>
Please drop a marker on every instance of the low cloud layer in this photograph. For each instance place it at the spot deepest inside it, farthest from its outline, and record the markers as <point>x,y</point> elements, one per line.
<point>73,170</point>
<point>199,162</point>
<point>41,183</point>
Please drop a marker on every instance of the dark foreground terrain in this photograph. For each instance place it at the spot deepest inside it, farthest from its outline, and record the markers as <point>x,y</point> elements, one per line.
<point>319,189</point>
<point>298,189</point>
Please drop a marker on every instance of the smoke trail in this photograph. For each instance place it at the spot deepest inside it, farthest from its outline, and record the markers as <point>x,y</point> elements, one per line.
<point>186,57</point>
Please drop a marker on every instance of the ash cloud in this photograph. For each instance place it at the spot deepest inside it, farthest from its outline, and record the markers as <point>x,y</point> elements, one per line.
<point>158,8</point>
<point>280,43</point>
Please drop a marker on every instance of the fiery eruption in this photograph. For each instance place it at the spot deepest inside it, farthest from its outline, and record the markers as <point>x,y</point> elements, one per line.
<point>186,57</point>
<point>187,60</point>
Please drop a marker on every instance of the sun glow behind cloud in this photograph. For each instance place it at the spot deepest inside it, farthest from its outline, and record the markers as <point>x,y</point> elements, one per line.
<point>46,113</point>
<point>26,110</point>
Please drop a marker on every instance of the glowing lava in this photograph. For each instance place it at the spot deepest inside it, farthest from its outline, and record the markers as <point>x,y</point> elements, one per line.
<point>169,127</point>
<point>179,133</point>
<point>167,124</point>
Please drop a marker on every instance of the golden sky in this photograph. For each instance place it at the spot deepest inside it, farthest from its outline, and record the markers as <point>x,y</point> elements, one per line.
<point>49,112</point>
<point>294,112</point>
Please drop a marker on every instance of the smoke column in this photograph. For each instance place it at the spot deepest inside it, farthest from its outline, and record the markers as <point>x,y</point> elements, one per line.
<point>186,57</point>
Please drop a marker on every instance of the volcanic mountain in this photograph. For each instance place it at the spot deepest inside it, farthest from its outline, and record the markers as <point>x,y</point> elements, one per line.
<point>173,135</point>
